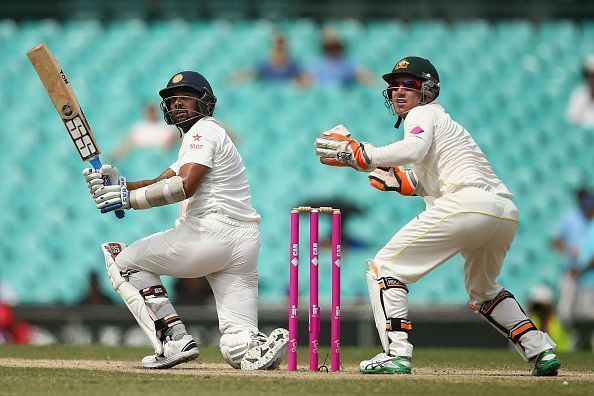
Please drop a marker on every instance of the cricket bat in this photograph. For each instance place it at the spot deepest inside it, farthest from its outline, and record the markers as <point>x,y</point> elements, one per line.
<point>62,95</point>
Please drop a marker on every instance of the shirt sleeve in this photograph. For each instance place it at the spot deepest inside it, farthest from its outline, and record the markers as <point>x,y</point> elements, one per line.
<point>418,136</point>
<point>574,107</point>
<point>198,147</point>
<point>562,229</point>
<point>587,251</point>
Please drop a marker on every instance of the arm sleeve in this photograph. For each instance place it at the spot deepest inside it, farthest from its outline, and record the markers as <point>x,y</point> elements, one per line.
<point>418,136</point>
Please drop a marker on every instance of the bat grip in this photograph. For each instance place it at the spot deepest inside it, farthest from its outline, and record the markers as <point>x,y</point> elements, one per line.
<point>96,163</point>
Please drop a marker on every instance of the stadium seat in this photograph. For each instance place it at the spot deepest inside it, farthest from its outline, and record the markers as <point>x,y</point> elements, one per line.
<point>116,67</point>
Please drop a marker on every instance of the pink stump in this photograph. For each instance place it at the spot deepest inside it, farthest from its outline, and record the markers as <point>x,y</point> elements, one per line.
<point>293,290</point>
<point>314,308</point>
<point>335,325</point>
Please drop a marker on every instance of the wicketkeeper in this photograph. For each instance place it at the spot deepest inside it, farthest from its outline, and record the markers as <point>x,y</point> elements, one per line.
<point>469,211</point>
<point>216,236</point>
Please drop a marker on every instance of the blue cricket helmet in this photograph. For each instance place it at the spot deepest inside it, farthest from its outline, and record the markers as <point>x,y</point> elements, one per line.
<point>192,81</point>
<point>188,80</point>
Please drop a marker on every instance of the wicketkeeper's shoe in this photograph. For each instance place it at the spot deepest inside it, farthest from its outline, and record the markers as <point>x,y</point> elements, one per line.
<point>546,364</point>
<point>269,354</point>
<point>386,364</point>
<point>174,353</point>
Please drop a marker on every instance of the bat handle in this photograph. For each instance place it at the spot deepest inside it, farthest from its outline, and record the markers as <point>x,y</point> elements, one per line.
<point>96,162</point>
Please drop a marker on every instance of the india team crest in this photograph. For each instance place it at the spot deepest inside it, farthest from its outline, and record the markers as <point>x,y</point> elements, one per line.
<point>403,64</point>
<point>177,78</point>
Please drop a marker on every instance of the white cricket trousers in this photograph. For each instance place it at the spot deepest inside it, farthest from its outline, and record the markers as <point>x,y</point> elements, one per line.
<point>223,250</point>
<point>478,224</point>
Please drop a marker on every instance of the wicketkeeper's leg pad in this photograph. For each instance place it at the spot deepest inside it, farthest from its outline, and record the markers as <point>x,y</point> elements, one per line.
<point>131,296</point>
<point>389,303</point>
<point>506,315</point>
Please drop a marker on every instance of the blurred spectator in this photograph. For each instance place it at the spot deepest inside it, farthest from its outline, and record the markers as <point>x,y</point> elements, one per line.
<point>584,278</point>
<point>580,109</point>
<point>279,67</point>
<point>95,295</point>
<point>7,294</point>
<point>192,291</point>
<point>334,68</point>
<point>572,228</point>
<point>347,211</point>
<point>151,132</point>
<point>12,330</point>
<point>569,240</point>
<point>541,311</point>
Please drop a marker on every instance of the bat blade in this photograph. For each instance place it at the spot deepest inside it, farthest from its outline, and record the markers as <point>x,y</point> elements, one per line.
<point>62,95</point>
<point>66,103</point>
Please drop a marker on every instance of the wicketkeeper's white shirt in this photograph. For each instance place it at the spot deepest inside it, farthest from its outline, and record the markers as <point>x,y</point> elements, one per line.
<point>441,152</point>
<point>224,189</point>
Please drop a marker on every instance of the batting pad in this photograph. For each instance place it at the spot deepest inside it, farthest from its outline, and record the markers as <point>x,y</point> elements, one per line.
<point>505,314</point>
<point>389,303</point>
<point>376,307</point>
<point>131,296</point>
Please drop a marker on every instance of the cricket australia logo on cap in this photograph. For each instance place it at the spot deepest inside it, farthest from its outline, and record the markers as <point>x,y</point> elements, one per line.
<point>403,64</point>
<point>177,78</point>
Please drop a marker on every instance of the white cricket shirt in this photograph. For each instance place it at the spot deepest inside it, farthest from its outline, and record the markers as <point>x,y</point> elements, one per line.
<point>224,189</point>
<point>441,152</point>
<point>147,134</point>
<point>580,108</point>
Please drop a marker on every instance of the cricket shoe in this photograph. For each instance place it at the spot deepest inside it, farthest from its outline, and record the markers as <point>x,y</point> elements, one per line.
<point>387,364</point>
<point>259,339</point>
<point>546,364</point>
<point>174,353</point>
<point>269,354</point>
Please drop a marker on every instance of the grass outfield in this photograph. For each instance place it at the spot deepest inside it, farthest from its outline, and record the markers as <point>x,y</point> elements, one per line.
<point>99,370</point>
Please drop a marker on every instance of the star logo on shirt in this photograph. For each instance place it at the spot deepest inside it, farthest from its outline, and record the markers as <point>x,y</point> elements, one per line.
<point>196,137</point>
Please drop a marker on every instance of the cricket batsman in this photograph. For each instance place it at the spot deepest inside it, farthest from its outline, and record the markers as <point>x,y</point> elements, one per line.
<point>216,236</point>
<point>468,211</point>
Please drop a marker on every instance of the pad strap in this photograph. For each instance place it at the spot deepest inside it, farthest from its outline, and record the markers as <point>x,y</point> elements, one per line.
<point>161,325</point>
<point>153,292</point>
<point>391,283</point>
<point>520,329</point>
<point>128,272</point>
<point>488,306</point>
<point>398,324</point>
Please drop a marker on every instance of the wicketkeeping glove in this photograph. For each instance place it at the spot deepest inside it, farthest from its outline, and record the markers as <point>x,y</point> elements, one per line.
<point>403,181</point>
<point>336,148</point>
<point>114,196</point>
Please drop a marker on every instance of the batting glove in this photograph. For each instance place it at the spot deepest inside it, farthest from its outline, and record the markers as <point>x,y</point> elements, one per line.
<point>336,148</point>
<point>403,181</point>
<point>94,179</point>
<point>113,196</point>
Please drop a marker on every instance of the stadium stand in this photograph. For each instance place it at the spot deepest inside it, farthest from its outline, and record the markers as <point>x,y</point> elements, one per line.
<point>506,82</point>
